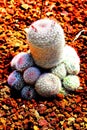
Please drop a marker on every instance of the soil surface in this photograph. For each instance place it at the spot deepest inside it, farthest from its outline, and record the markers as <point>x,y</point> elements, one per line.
<point>63,112</point>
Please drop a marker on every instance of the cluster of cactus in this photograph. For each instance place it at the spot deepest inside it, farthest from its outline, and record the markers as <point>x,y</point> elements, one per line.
<point>51,67</point>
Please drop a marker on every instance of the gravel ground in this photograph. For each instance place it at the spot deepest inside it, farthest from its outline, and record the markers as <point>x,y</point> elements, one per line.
<point>64,112</point>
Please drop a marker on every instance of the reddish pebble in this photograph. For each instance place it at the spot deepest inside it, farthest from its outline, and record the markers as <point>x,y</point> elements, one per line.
<point>69,109</point>
<point>53,114</point>
<point>77,109</point>
<point>79,120</point>
<point>77,126</point>
<point>42,122</point>
<point>78,99</point>
<point>60,96</point>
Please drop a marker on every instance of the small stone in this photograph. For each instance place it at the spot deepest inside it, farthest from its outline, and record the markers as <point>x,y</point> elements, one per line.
<point>42,109</point>
<point>42,122</point>
<point>85,119</point>
<point>77,126</point>
<point>36,127</point>
<point>60,96</point>
<point>71,120</point>
<point>70,128</point>
<point>77,109</point>
<point>5,107</point>
<point>79,120</point>
<point>15,118</point>
<point>67,115</point>
<point>2,113</point>
<point>2,120</point>
<point>36,114</point>
<point>78,99</point>
<point>69,109</point>
<point>20,117</point>
<point>60,116</point>
<point>25,6</point>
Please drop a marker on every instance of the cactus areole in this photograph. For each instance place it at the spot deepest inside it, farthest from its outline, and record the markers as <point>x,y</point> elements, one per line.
<point>46,41</point>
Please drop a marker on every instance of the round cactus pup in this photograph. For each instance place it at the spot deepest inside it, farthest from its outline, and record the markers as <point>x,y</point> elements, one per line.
<point>71,82</point>
<point>15,80</point>
<point>24,61</point>
<point>48,85</point>
<point>46,41</point>
<point>28,92</point>
<point>14,60</point>
<point>70,53</point>
<point>31,74</point>
<point>59,70</point>
<point>72,67</point>
<point>71,60</point>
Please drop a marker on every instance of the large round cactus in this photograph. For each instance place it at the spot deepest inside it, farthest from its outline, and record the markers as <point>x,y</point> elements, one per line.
<point>46,41</point>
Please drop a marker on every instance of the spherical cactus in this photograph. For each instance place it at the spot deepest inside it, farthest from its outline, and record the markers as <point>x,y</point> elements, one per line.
<point>14,60</point>
<point>46,41</point>
<point>72,67</point>
<point>15,80</point>
<point>70,53</point>
<point>71,60</point>
<point>48,85</point>
<point>31,74</point>
<point>22,61</point>
<point>28,92</point>
<point>71,82</point>
<point>59,70</point>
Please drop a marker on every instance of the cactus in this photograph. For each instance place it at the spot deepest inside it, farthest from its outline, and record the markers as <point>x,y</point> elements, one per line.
<point>22,61</point>
<point>15,80</point>
<point>28,92</point>
<point>46,41</point>
<point>48,85</point>
<point>31,74</point>
<point>59,70</point>
<point>71,82</point>
<point>71,60</point>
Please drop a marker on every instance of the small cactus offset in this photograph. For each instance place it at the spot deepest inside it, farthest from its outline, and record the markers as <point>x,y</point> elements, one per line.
<point>59,70</point>
<point>15,80</point>
<point>22,61</point>
<point>71,60</point>
<point>28,92</point>
<point>31,74</point>
<point>48,85</point>
<point>51,67</point>
<point>71,82</point>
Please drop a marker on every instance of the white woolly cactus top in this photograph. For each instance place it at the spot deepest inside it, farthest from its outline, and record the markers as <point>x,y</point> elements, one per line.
<point>48,85</point>
<point>70,53</point>
<point>46,42</point>
<point>71,60</point>
<point>45,32</point>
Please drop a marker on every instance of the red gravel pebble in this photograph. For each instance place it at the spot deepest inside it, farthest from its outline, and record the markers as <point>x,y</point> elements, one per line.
<point>42,122</point>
